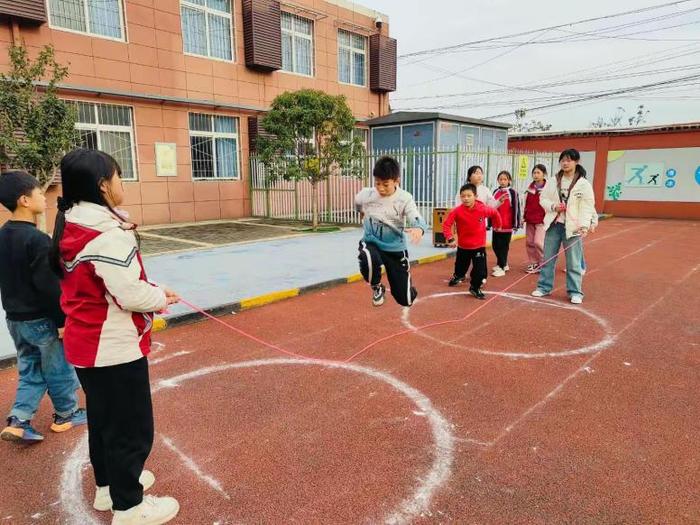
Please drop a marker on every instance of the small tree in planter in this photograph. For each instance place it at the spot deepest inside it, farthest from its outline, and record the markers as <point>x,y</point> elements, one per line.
<point>308,136</point>
<point>36,127</point>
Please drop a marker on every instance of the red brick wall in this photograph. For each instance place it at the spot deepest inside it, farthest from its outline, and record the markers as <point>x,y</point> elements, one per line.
<point>602,145</point>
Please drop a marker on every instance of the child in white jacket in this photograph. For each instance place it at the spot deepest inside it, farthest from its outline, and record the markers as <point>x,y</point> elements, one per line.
<point>569,206</point>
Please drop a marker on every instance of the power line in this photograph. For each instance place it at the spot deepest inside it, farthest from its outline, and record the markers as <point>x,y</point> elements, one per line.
<point>474,66</point>
<point>560,83</point>
<point>607,94</point>
<point>618,65</point>
<point>625,36</point>
<point>524,33</point>
<point>558,97</point>
<point>534,41</point>
<point>597,34</point>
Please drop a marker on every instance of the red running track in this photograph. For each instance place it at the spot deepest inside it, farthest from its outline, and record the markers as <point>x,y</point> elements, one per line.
<point>527,412</point>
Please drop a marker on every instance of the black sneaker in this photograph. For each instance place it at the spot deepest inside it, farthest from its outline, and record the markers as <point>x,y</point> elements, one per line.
<point>455,281</point>
<point>477,293</point>
<point>378,293</point>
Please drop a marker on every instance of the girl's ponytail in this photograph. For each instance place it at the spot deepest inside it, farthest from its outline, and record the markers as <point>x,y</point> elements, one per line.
<point>55,252</point>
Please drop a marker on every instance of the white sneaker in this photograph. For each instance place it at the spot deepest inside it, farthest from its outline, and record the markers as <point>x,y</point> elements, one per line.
<point>495,268</point>
<point>576,299</point>
<point>583,271</point>
<point>506,268</point>
<point>103,501</point>
<point>539,293</point>
<point>498,272</point>
<point>151,511</point>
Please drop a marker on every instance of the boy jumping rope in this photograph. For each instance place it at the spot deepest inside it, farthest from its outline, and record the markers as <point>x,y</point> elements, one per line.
<point>387,213</point>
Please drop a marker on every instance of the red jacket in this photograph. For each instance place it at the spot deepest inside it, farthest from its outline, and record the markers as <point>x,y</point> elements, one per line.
<point>107,300</point>
<point>471,224</point>
<point>509,210</point>
<point>534,213</point>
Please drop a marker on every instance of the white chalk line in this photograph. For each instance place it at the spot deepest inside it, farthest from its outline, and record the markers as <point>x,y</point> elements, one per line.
<point>71,494</point>
<point>405,315</point>
<point>411,507</point>
<point>159,360</point>
<point>595,347</point>
<point>190,464</point>
<point>603,237</point>
<point>586,365</point>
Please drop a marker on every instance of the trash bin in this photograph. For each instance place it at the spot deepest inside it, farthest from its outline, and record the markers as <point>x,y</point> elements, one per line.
<point>439,216</point>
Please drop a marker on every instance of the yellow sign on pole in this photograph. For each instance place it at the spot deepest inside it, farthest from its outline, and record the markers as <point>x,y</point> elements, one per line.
<point>523,166</point>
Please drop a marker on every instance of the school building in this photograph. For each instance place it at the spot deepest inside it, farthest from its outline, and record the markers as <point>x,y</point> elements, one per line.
<point>651,171</point>
<point>175,89</point>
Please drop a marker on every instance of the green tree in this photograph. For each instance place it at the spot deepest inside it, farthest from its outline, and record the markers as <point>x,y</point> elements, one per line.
<point>308,137</point>
<point>36,126</point>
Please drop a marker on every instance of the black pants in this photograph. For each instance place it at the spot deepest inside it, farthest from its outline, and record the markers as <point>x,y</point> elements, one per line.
<point>398,271</point>
<point>477,258</point>
<point>501,246</point>
<point>120,427</point>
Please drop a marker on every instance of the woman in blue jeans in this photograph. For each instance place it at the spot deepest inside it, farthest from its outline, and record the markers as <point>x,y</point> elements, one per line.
<point>569,206</point>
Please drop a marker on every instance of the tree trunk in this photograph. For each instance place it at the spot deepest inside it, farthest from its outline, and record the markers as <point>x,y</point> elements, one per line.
<point>41,219</point>
<point>41,222</point>
<point>314,205</point>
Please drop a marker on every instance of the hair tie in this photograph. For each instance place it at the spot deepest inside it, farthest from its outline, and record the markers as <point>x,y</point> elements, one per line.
<point>64,204</point>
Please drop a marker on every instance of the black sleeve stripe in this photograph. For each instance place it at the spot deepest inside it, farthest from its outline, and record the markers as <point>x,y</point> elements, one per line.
<point>70,266</point>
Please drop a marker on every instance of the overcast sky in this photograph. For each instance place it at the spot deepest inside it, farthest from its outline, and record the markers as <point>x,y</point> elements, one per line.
<point>634,44</point>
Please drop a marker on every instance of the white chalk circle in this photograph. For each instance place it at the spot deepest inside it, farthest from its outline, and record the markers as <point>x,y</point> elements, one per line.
<point>73,501</point>
<point>607,340</point>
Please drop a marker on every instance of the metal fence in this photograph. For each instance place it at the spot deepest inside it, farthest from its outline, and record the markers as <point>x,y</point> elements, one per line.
<point>433,177</point>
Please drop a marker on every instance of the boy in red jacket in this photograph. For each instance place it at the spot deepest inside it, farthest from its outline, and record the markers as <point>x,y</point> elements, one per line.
<point>470,218</point>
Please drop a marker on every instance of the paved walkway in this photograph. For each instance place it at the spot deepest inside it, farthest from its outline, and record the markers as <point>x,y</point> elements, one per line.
<point>227,274</point>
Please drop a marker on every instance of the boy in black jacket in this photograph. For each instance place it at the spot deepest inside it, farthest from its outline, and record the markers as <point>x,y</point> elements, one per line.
<point>30,294</point>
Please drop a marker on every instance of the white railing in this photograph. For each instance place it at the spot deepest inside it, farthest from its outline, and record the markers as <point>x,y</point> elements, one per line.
<point>433,177</point>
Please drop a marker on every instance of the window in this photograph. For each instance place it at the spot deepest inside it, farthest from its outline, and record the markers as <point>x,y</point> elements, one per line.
<point>297,44</point>
<point>361,133</point>
<point>486,139</point>
<point>206,28</point>
<point>352,58</point>
<point>108,128</point>
<point>94,17</point>
<point>214,147</point>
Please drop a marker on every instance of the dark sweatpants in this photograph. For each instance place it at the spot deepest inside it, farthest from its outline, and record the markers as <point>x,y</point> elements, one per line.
<point>501,247</point>
<point>120,427</point>
<point>477,259</point>
<point>398,271</point>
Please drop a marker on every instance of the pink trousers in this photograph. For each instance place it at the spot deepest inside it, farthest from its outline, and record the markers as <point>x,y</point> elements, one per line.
<point>535,242</point>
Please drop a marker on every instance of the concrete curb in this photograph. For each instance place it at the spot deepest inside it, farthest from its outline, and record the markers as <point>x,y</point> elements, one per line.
<point>161,324</point>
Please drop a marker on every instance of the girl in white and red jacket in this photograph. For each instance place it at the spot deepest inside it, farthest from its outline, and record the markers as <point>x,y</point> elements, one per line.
<point>509,210</point>
<point>109,307</point>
